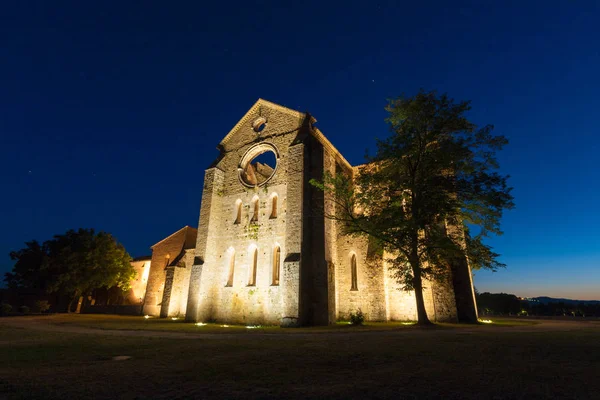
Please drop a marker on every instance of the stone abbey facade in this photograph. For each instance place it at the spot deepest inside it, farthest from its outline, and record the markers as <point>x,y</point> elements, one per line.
<point>262,255</point>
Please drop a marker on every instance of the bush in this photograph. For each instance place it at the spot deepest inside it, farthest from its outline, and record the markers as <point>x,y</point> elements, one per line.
<point>5,309</point>
<point>42,306</point>
<point>24,310</point>
<point>357,318</point>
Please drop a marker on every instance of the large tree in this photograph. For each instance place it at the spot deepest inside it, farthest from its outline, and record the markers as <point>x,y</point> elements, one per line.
<point>431,193</point>
<point>72,264</point>
<point>27,271</point>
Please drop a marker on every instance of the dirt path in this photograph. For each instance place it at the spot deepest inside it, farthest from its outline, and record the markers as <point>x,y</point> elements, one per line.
<point>52,324</point>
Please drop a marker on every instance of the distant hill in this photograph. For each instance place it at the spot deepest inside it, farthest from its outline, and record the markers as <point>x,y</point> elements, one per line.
<point>546,300</point>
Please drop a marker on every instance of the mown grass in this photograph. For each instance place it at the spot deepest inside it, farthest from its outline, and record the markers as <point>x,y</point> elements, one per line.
<point>411,363</point>
<point>115,322</point>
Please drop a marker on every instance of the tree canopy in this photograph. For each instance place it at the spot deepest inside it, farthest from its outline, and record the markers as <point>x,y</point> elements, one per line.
<point>430,194</point>
<point>72,263</point>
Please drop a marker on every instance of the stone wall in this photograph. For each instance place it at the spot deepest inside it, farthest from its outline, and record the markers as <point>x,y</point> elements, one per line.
<point>181,286</point>
<point>221,238</point>
<point>163,253</point>
<point>443,300</point>
<point>199,303</point>
<point>379,296</point>
<point>330,241</point>
<point>177,284</point>
<point>438,297</point>
<point>136,294</point>
<point>241,302</point>
<point>293,236</point>
<point>462,280</point>
<point>314,284</point>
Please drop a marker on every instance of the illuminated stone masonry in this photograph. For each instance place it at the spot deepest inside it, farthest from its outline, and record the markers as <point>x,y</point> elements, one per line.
<point>262,254</point>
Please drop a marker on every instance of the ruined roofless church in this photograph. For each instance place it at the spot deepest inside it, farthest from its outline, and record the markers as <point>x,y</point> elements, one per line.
<point>262,255</point>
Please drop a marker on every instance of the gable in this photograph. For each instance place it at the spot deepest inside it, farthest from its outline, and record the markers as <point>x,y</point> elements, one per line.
<point>260,109</point>
<point>188,237</point>
<point>278,120</point>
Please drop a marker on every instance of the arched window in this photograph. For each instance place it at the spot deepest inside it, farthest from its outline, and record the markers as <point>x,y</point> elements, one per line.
<point>353,272</point>
<point>276,265</point>
<point>274,206</point>
<point>231,268</point>
<point>252,272</point>
<point>255,207</point>
<point>238,211</point>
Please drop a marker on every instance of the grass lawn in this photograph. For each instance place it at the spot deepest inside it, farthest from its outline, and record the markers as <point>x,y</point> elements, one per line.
<point>117,322</point>
<point>379,361</point>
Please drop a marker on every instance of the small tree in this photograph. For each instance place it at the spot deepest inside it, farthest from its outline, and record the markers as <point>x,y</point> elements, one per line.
<point>428,185</point>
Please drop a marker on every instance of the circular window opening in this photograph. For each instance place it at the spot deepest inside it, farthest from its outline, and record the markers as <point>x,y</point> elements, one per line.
<point>258,165</point>
<point>259,124</point>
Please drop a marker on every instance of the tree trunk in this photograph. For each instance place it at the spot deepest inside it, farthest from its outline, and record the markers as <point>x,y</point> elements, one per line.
<point>70,306</point>
<point>415,263</point>
<point>422,318</point>
<point>73,299</point>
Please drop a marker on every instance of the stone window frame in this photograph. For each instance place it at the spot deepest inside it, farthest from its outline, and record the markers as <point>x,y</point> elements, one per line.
<point>251,154</point>
<point>238,212</point>
<point>276,265</point>
<point>255,205</point>
<point>231,267</point>
<point>353,272</point>
<point>253,265</point>
<point>259,124</point>
<point>274,205</point>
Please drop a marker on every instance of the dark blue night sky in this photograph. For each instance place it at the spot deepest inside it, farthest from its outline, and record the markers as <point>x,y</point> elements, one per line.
<point>111,111</point>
